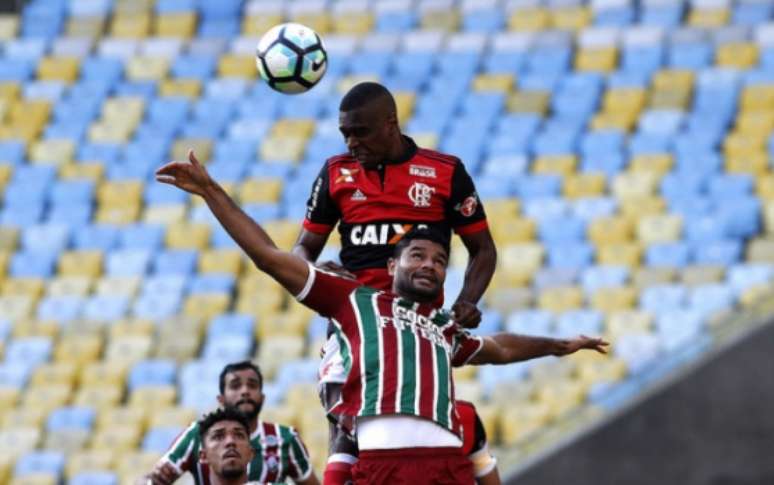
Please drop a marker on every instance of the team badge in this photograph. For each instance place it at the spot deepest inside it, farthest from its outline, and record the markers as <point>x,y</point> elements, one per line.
<point>272,463</point>
<point>420,194</point>
<point>468,206</point>
<point>422,171</point>
<point>270,440</point>
<point>346,175</point>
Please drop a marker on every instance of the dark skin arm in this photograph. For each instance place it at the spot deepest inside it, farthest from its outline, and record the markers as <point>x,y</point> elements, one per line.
<point>482,259</point>
<point>507,348</point>
<point>309,245</point>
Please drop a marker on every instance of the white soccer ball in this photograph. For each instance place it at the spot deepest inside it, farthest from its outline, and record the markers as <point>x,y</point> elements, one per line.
<point>291,58</point>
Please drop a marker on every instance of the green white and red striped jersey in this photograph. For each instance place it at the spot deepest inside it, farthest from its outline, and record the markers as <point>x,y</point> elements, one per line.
<point>279,454</point>
<point>398,354</point>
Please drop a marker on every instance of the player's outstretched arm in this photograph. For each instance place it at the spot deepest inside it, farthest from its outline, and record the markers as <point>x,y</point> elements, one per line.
<point>506,348</point>
<point>288,269</point>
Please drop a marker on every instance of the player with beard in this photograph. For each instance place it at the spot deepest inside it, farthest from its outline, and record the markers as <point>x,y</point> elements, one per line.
<point>399,346</point>
<point>226,449</point>
<point>279,451</point>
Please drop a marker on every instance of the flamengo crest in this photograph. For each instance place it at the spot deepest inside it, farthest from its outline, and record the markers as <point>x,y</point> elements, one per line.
<point>420,194</point>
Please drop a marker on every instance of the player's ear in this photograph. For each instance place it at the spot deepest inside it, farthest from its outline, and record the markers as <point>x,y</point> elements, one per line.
<point>220,400</point>
<point>202,456</point>
<point>391,266</point>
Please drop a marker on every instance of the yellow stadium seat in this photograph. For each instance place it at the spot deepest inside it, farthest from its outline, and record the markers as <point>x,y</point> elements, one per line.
<point>38,478</point>
<point>768,216</point>
<point>259,24</point>
<point>528,19</point>
<point>562,396</point>
<point>32,417</point>
<point>708,18</point>
<point>563,165</point>
<point>755,122</point>
<point>601,369</point>
<point>634,184</point>
<point>188,88</point>
<point>637,207</point>
<point>513,231</point>
<point>320,21</point>
<point>237,65</point>
<point>85,170</point>
<point>228,261</point>
<point>624,100</point>
<point>442,20</point>
<point>165,214</point>
<point>172,416</point>
<point>103,131</point>
<point>659,228</point>
<point>206,305</point>
<point>81,263</point>
<point>120,193</point>
<point>181,324</point>
<point>619,121</point>
<point>276,351</point>
<point>261,304</point>
<point>518,422</point>
<point>188,236</point>
<point>528,102</point>
<point>744,144</point>
<point>9,237</point>
<point>570,18</point>
<point>130,348</point>
<point>6,467</point>
<point>147,68</point>
<point>98,397</point>
<point>623,254</point>
<point>528,256</point>
<point>659,164</point>
<point>153,398</point>
<point>132,416</point>
<point>497,83</point>
<point>280,414</point>
<point>63,69</point>
<point>10,91</point>
<point>119,438</point>
<point>136,25</point>
<point>755,164</point>
<point>69,286</point>
<point>702,275</point>
<point>607,230</point>
<point>628,321</point>
<point>16,307</point>
<point>30,327</point>
<point>404,101</point>
<point>680,79</point>
<point>89,461</point>
<point>353,23</point>
<point>610,300</point>
<point>9,396</point>
<point>66,440</point>
<point>739,55</point>
<point>287,324</point>
<point>180,349</point>
<point>53,373</point>
<point>5,257</point>
<point>48,397</point>
<point>283,148</point>
<point>78,349</point>
<point>17,440</point>
<point>181,25</point>
<point>348,82</point>
<point>131,326</point>
<point>89,27</point>
<point>757,97</point>
<point>9,26</point>
<point>52,151</point>
<point>755,294</point>
<point>596,60</point>
<point>584,185</point>
<point>118,215</point>
<point>126,108</point>
<point>761,251</point>
<point>260,191</point>
<point>653,275</point>
<point>202,147</point>
<point>5,170</point>
<point>118,285</point>
<point>503,208</point>
<point>560,299</point>
<point>32,287</point>
<point>506,299</point>
<point>677,99</point>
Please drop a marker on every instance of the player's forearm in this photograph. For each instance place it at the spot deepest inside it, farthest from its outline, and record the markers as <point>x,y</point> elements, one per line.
<point>509,348</point>
<point>478,273</point>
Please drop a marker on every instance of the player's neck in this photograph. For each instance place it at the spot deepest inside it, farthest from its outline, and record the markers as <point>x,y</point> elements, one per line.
<point>216,480</point>
<point>253,424</point>
<point>398,149</point>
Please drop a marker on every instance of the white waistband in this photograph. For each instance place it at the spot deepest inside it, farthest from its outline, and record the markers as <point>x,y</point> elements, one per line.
<point>402,431</point>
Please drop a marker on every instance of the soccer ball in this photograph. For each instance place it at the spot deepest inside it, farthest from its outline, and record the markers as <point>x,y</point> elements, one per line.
<point>291,58</point>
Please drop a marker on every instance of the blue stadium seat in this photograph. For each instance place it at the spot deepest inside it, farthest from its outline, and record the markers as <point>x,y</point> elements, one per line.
<point>744,276</point>
<point>722,252</point>
<point>94,478</point>
<point>674,255</point>
<point>43,462</point>
<point>34,264</point>
<point>127,262</point>
<point>105,307</point>
<point>709,299</point>
<point>212,283</point>
<point>660,298</point>
<point>45,238</point>
<point>231,324</point>
<point>70,418</point>
<point>298,371</point>
<point>545,208</point>
<point>157,439</point>
<point>530,322</point>
<point>59,308</point>
<point>590,208</point>
<point>603,276</point>
<point>570,255</point>
<point>579,322</point>
<point>14,374</point>
<point>12,152</point>
<point>151,373</point>
<point>175,262</point>
<point>224,347</point>
<point>538,186</point>
<point>31,350</point>
<point>565,229</point>
<point>553,277</point>
<point>191,66</point>
<point>142,236</point>
<point>706,228</point>
<point>97,236</point>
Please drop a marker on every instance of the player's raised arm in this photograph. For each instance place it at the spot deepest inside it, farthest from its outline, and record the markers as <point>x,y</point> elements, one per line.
<point>506,348</point>
<point>288,269</point>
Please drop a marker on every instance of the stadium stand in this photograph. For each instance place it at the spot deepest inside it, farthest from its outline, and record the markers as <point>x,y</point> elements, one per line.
<point>623,151</point>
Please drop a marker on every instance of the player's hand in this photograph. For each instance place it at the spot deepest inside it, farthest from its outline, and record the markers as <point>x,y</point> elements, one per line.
<point>466,314</point>
<point>189,175</point>
<point>571,346</point>
<point>336,268</point>
<point>163,474</point>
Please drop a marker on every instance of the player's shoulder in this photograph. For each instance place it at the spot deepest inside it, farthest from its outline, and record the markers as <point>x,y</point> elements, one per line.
<point>341,159</point>
<point>441,158</point>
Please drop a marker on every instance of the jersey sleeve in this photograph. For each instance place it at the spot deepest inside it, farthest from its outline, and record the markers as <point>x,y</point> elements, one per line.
<point>326,292</point>
<point>183,454</point>
<point>464,210</point>
<point>322,214</point>
<point>299,458</point>
<point>466,346</point>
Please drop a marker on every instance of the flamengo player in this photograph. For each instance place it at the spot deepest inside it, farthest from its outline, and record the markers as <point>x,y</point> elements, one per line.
<point>279,451</point>
<point>383,187</point>
<point>398,345</point>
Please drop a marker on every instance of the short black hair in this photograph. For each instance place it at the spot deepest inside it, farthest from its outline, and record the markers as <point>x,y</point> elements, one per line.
<point>422,233</point>
<point>235,366</point>
<point>363,93</point>
<point>227,413</point>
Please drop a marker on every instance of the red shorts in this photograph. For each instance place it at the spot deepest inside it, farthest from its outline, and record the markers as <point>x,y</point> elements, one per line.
<point>413,466</point>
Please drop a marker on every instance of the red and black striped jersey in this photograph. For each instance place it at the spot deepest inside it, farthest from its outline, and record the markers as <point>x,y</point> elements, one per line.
<point>375,207</point>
